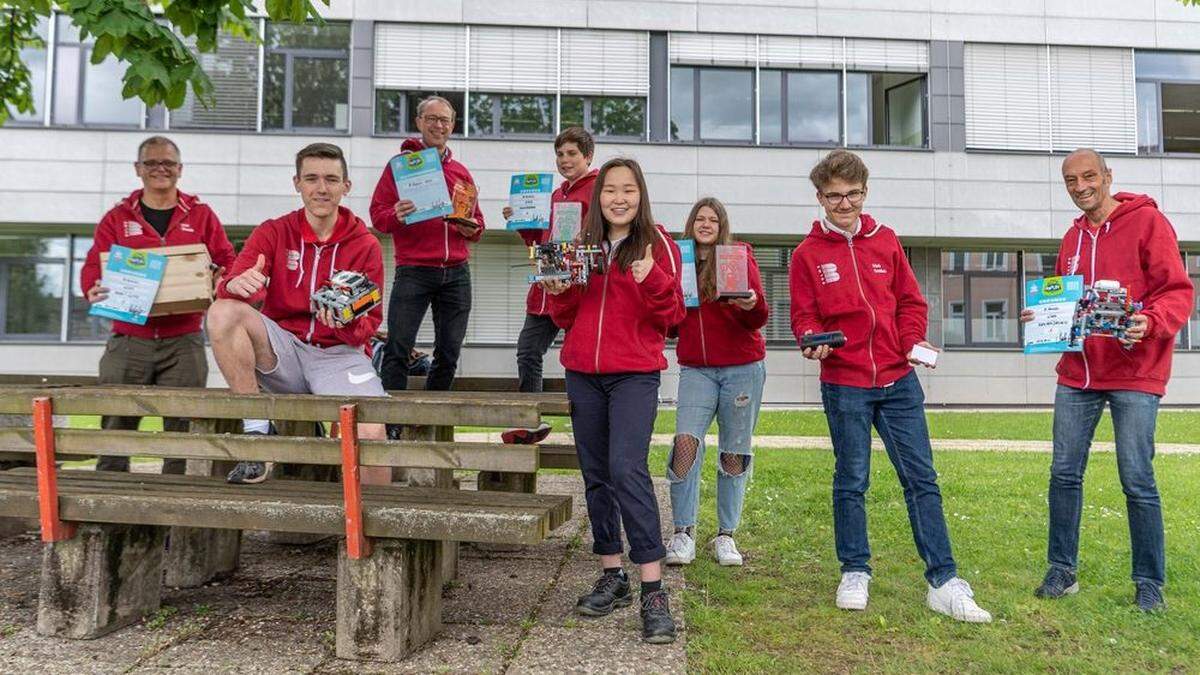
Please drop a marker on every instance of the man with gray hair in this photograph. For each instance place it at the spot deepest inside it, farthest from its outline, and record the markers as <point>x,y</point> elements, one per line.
<point>1122,238</point>
<point>167,350</point>
<point>431,259</point>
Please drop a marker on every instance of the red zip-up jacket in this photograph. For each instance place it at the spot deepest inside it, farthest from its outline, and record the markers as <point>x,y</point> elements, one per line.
<point>579,191</point>
<point>430,243</point>
<point>192,223</point>
<point>297,264</point>
<point>865,288</point>
<point>1136,247</point>
<point>718,334</point>
<point>616,325</point>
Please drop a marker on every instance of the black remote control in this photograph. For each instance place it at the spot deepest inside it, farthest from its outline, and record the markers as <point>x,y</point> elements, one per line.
<point>834,339</point>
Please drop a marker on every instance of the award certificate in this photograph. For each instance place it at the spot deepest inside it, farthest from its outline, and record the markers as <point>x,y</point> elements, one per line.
<point>420,179</point>
<point>132,278</point>
<point>687,277</point>
<point>1053,301</point>
<point>529,198</point>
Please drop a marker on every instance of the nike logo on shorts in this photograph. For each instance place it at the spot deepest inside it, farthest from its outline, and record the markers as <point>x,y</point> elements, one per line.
<point>359,379</point>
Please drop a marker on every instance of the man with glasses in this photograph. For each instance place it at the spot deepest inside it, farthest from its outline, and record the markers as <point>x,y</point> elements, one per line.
<point>851,275</point>
<point>167,350</point>
<point>431,259</point>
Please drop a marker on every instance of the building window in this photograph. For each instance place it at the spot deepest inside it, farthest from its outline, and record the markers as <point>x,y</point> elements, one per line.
<point>980,297</point>
<point>712,104</point>
<point>33,278</point>
<point>396,111</point>
<point>233,70</point>
<point>1193,326</point>
<point>34,58</point>
<point>306,77</point>
<point>80,325</point>
<point>86,94</point>
<point>800,107</point>
<point>610,116</point>
<point>512,114</point>
<point>1168,101</point>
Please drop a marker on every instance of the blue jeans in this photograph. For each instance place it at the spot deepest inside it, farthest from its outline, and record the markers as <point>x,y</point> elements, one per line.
<point>733,395</point>
<point>898,414</point>
<point>1076,413</point>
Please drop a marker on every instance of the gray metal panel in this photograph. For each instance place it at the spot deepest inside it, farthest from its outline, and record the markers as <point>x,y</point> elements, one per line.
<point>660,124</point>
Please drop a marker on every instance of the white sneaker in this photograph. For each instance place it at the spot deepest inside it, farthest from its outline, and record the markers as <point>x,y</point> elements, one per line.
<point>726,551</point>
<point>854,592</point>
<point>955,599</point>
<point>681,550</point>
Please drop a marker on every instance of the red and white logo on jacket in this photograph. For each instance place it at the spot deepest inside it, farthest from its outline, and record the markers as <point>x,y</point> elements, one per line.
<point>133,228</point>
<point>828,273</point>
<point>293,260</point>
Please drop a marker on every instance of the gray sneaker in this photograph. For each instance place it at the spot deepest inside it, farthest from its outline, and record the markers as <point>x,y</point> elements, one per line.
<point>1149,597</point>
<point>249,472</point>
<point>1058,582</point>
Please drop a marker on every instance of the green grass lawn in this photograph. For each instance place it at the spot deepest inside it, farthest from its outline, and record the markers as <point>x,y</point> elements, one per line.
<point>776,614</point>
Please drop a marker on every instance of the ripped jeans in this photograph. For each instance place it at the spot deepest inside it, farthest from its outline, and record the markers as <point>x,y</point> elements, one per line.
<point>732,395</point>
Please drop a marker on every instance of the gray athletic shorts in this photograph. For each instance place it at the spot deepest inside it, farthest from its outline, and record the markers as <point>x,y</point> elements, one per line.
<point>301,368</point>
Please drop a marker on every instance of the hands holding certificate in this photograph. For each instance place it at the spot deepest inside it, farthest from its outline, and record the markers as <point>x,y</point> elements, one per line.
<point>1139,325</point>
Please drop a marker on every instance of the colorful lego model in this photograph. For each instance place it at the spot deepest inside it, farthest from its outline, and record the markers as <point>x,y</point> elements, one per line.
<point>566,261</point>
<point>1104,310</point>
<point>348,295</point>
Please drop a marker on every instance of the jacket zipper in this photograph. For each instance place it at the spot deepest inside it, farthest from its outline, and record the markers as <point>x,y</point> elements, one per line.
<point>312,288</point>
<point>703,345</point>
<point>600,321</point>
<point>871,333</point>
<point>1087,371</point>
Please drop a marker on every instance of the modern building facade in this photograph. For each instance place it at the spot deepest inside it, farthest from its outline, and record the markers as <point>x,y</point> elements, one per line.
<point>962,110</point>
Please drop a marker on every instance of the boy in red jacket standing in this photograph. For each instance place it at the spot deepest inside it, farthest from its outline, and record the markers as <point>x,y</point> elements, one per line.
<point>167,350</point>
<point>851,275</point>
<point>286,348</point>
<point>1128,240</point>
<point>431,260</point>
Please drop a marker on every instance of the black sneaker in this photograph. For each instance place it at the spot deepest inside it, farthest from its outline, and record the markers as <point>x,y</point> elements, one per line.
<point>1149,597</point>
<point>1058,582</point>
<point>657,625</point>
<point>251,472</point>
<point>610,592</point>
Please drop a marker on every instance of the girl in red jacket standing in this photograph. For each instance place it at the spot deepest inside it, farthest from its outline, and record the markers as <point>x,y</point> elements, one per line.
<point>613,353</point>
<point>721,375</point>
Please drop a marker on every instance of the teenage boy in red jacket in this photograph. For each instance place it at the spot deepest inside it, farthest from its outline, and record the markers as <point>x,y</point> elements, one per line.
<point>851,275</point>
<point>431,260</point>
<point>1123,238</point>
<point>573,150</point>
<point>167,350</point>
<point>285,347</point>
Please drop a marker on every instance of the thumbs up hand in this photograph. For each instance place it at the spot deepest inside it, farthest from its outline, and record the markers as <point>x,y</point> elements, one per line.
<point>641,268</point>
<point>253,280</point>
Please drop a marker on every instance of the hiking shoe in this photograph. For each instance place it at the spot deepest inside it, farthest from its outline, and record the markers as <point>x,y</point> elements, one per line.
<point>681,550</point>
<point>1058,582</point>
<point>726,551</point>
<point>854,591</point>
<point>609,592</point>
<point>956,600</point>
<point>1149,597</point>
<point>658,627</point>
<point>526,436</point>
<point>249,472</point>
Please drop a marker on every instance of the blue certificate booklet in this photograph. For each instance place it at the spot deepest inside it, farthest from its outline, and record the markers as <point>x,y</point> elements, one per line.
<point>1053,301</point>
<point>420,180</point>
<point>132,278</point>
<point>529,198</point>
<point>687,277</point>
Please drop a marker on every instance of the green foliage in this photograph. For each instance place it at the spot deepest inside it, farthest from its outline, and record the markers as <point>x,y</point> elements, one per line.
<point>148,35</point>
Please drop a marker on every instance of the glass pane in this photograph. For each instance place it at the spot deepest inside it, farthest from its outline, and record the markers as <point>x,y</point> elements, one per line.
<point>1148,115</point>
<point>102,102</point>
<point>683,109</point>
<point>1167,65</point>
<point>456,102</point>
<point>770,106</point>
<point>33,303</point>
<point>726,105</point>
<point>619,117</point>
<point>814,107</point>
<point>1038,265</point>
<point>954,327</point>
<point>66,85</point>
<point>80,326</point>
<point>233,69</point>
<point>482,123</point>
<point>388,108</point>
<point>905,115</point>
<point>320,93</point>
<point>1193,268</point>
<point>308,36</point>
<point>858,109</point>
<point>274,77</point>
<point>33,247</point>
<point>521,114</point>
<point>571,111</point>
<point>1181,117</point>
<point>995,305</point>
<point>35,60</point>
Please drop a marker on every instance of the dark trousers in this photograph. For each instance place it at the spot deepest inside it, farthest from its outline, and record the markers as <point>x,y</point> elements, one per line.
<point>537,335</point>
<point>167,362</point>
<point>415,289</point>
<point>613,417</point>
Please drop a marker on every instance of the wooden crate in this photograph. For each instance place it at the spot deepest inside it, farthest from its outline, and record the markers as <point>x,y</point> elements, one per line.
<point>187,282</point>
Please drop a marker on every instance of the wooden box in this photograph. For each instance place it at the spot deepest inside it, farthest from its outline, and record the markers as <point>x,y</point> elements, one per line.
<point>187,284</point>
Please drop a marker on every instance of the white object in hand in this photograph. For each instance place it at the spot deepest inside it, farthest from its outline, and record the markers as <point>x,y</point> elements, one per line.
<point>925,355</point>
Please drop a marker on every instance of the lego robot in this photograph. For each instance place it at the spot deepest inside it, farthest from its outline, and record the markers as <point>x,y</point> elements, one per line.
<point>566,261</point>
<point>1103,310</point>
<point>348,295</point>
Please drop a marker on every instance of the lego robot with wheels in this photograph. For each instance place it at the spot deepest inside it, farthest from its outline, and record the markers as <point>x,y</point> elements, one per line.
<point>1104,310</point>
<point>348,295</point>
<point>566,261</point>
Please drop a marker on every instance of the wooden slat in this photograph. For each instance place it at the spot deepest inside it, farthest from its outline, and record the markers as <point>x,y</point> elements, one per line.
<point>509,384</point>
<point>22,379</point>
<point>403,408</point>
<point>73,443</point>
<point>548,403</point>
<point>557,457</point>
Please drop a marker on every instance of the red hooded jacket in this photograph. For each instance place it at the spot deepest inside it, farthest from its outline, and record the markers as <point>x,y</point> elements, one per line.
<point>297,264</point>
<point>865,288</point>
<point>616,325</point>
<point>718,334</point>
<point>192,223</point>
<point>430,243</point>
<point>579,191</point>
<point>1136,247</point>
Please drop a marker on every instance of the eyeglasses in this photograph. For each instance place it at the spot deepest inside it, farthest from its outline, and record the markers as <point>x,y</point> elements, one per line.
<point>855,197</point>
<point>438,120</point>
<point>152,164</point>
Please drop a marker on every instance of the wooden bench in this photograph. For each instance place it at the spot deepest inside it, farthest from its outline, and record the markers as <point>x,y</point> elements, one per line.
<point>103,560</point>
